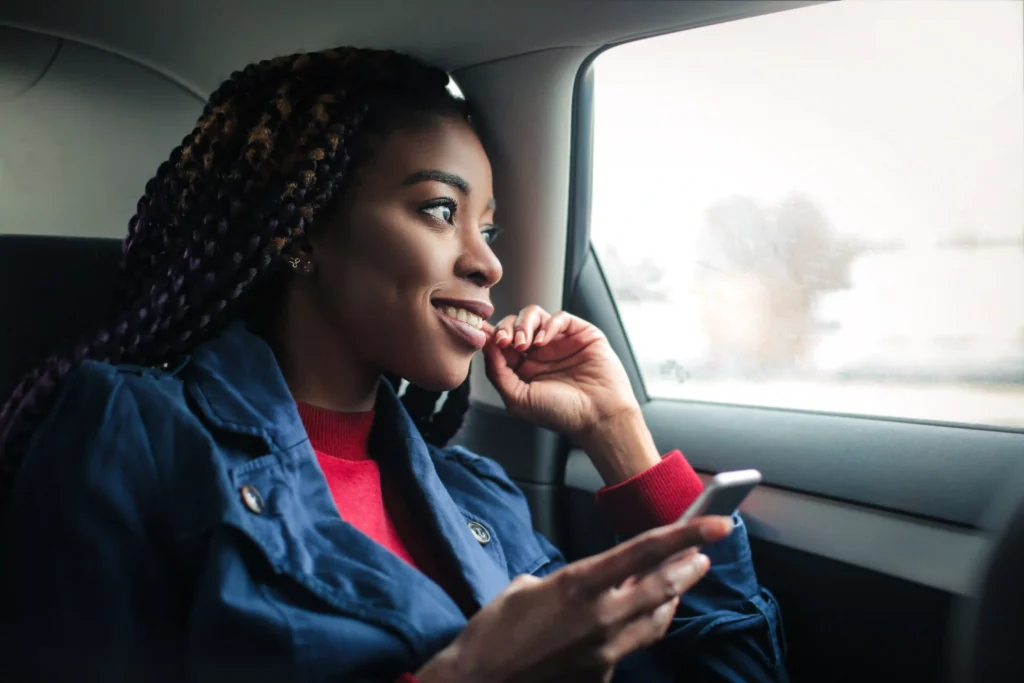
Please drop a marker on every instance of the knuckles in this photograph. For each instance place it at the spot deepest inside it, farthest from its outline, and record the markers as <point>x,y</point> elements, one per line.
<point>572,584</point>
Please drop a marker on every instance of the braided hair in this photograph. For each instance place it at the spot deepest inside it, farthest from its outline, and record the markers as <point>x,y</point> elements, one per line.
<point>276,146</point>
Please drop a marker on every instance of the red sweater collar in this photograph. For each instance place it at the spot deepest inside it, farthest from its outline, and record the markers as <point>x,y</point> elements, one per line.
<point>343,435</point>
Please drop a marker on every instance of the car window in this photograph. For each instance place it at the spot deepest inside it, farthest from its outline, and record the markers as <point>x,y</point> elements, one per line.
<point>821,209</point>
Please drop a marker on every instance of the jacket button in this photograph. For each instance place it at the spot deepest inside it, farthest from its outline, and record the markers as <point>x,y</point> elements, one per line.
<point>480,533</point>
<point>252,499</point>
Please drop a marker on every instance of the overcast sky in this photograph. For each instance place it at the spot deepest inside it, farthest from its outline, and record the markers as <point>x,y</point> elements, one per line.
<point>902,118</point>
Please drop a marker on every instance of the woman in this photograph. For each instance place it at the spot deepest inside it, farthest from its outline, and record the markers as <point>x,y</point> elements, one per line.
<point>222,484</point>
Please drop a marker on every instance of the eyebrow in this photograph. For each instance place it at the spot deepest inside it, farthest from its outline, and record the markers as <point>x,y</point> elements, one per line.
<point>433,175</point>
<point>450,179</point>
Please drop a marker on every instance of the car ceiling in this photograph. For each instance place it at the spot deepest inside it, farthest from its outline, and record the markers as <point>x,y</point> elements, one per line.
<point>198,43</point>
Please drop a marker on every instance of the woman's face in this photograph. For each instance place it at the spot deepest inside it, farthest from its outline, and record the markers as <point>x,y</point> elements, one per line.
<point>404,271</point>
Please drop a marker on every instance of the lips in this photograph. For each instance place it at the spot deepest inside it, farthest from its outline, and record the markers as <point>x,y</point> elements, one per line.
<point>464,319</point>
<point>481,309</point>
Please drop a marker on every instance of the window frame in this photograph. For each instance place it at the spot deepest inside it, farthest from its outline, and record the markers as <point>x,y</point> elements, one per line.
<point>932,470</point>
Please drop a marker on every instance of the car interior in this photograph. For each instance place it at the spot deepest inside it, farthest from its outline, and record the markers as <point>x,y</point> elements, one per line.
<point>890,524</point>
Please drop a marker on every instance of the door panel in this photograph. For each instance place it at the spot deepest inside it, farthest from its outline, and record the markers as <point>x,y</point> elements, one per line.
<point>925,552</point>
<point>865,594</point>
<point>866,530</point>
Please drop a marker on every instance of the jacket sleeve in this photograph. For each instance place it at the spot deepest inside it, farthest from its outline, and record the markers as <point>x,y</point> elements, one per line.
<point>727,629</point>
<point>84,593</point>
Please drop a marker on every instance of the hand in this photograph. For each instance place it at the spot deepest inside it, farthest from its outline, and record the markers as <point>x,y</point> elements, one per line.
<point>557,370</point>
<point>560,371</point>
<point>577,623</point>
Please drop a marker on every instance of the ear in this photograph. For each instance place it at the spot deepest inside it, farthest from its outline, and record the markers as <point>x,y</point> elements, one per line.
<point>298,256</point>
<point>300,247</point>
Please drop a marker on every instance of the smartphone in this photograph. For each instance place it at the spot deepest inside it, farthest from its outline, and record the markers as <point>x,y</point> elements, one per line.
<point>723,495</point>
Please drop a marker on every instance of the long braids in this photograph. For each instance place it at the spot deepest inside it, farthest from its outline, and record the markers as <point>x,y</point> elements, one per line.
<point>274,145</point>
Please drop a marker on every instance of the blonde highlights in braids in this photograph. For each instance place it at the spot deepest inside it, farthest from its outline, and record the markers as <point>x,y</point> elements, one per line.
<point>276,145</point>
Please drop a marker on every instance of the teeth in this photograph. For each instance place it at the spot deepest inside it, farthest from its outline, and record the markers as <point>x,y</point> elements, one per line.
<point>464,316</point>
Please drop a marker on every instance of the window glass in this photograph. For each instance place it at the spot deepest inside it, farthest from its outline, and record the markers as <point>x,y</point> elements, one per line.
<point>822,209</point>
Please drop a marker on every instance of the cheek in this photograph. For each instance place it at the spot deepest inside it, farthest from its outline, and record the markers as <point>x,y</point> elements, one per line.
<point>396,252</point>
<point>378,277</point>
<point>374,287</point>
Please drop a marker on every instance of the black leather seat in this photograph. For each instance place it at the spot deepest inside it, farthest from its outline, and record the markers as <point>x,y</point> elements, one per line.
<point>54,290</point>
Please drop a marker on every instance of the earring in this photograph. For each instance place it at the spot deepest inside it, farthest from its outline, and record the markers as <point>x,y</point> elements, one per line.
<point>301,265</point>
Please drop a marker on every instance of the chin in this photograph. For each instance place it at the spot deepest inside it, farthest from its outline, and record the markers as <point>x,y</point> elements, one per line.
<point>444,377</point>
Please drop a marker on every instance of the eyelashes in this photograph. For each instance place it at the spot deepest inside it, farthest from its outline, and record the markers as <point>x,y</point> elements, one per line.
<point>441,210</point>
<point>491,233</point>
<point>444,209</point>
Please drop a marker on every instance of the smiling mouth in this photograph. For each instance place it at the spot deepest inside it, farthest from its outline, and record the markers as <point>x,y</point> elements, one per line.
<point>462,315</point>
<point>464,320</point>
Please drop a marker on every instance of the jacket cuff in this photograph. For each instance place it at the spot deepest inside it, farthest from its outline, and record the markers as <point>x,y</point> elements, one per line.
<point>655,497</point>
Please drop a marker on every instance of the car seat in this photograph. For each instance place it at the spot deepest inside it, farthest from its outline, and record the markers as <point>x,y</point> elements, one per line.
<point>55,289</point>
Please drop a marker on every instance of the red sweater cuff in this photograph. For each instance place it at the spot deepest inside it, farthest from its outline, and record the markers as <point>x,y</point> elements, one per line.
<point>406,678</point>
<point>655,497</point>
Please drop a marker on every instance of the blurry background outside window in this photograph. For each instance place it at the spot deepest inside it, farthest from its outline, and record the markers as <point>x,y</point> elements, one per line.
<point>822,209</point>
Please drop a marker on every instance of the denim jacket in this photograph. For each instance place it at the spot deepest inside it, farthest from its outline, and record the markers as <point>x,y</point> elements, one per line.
<point>173,524</point>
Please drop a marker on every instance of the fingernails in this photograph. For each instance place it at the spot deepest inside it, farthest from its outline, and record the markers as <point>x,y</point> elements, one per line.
<point>679,573</point>
<point>712,530</point>
<point>520,338</point>
<point>500,336</point>
<point>666,610</point>
<point>539,338</point>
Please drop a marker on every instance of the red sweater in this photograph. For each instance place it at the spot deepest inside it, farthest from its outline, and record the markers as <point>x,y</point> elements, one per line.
<point>370,499</point>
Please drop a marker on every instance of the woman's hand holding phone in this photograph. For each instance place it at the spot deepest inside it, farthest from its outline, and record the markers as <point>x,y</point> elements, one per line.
<point>579,621</point>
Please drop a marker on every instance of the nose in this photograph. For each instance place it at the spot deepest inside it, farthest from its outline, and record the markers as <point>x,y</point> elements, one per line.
<point>477,262</point>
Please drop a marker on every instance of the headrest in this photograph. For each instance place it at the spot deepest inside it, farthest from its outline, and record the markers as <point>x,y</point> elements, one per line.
<point>55,289</point>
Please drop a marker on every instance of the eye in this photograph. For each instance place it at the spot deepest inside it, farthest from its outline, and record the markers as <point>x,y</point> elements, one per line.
<point>491,233</point>
<point>442,210</point>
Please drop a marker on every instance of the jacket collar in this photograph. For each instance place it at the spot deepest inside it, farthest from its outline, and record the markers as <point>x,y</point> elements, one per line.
<point>401,448</point>
<point>238,386</point>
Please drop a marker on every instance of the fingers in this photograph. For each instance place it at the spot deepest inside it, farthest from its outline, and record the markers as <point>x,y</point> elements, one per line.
<point>716,529</point>
<point>667,583</point>
<point>504,331</point>
<point>526,325</point>
<point>500,371</point>
<point>532,326</point>
<point>645,630</point>
<point>645,552</point>
<point>554,326</point>
<point>522,581</point>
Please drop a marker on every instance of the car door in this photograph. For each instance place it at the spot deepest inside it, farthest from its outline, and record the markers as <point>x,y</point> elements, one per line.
<point>802,234</point>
